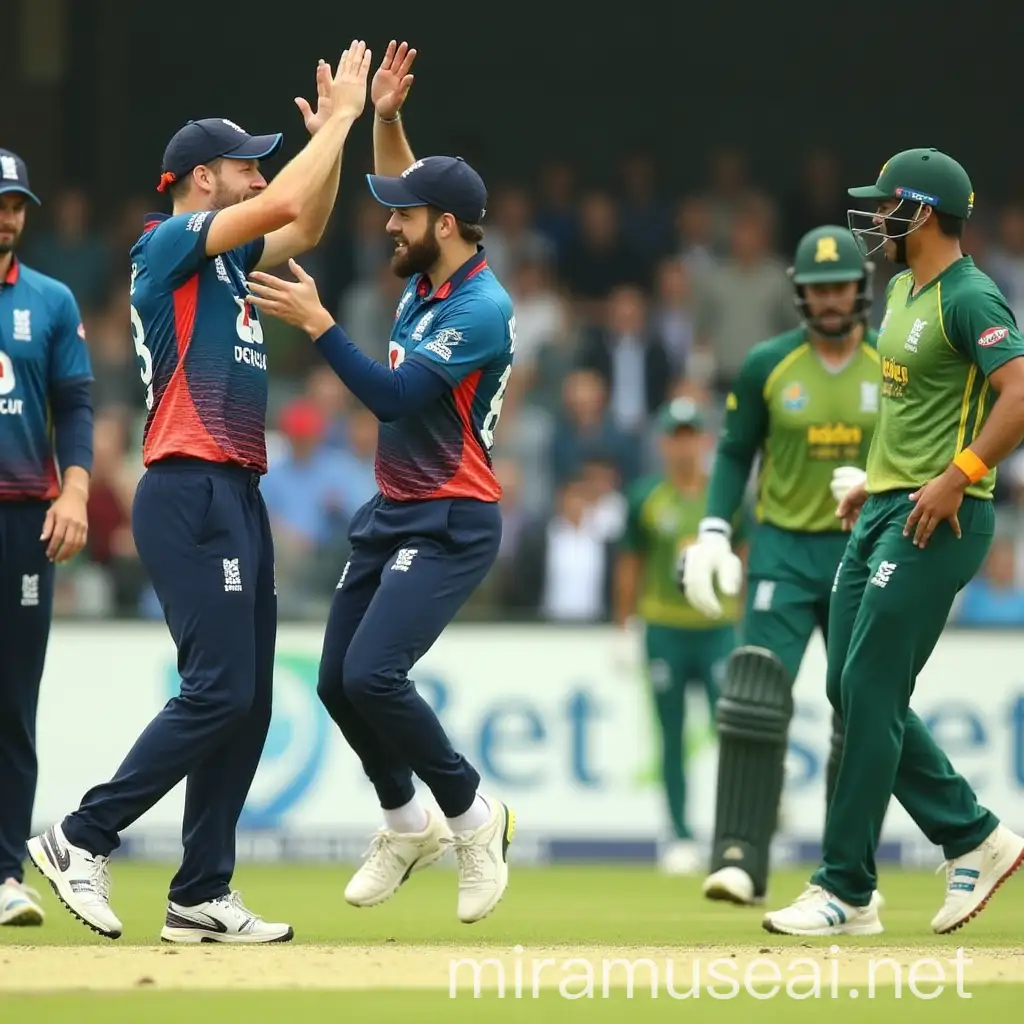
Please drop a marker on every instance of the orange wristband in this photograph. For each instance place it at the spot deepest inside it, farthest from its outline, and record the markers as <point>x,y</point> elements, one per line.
<point>971,466</point>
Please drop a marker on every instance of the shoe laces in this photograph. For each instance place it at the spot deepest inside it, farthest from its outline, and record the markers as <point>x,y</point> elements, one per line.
<point>470,857</point>
<point>811,893</point>
<point>381,858</point>
<point>234,900</point>
<point>99,877</point>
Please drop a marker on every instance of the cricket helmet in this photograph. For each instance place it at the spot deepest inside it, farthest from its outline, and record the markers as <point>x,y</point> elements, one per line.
<point>831,255</point>
<point>916,178</point>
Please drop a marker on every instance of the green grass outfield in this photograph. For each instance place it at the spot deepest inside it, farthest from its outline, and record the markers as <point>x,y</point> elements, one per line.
<point>392,961</point>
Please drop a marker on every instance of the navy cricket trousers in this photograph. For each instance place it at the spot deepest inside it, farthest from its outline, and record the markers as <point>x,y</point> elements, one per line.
<point>203,535</point>
<point>413,565</point>
<point>26,610</point>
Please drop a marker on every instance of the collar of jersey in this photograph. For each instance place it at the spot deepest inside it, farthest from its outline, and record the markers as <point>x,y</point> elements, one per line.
<point>470,268</point>
<point>151,220</point>
<point>12,272</point>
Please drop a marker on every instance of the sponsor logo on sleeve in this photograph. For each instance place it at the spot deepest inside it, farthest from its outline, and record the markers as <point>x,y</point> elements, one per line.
<point>993,336</point>
<point>195,222</point>
<point>443,342</point>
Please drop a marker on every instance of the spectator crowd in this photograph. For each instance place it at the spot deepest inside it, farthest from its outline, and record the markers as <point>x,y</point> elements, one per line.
<point>624,298</point>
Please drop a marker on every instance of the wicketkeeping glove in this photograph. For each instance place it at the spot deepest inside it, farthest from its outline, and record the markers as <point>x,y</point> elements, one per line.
<point>707,562</point>
<point>845,479</point>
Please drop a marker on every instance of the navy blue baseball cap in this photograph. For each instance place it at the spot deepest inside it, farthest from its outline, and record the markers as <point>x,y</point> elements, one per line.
<point>14,175</point>
<point>200,142</point>
<point>447,182</point>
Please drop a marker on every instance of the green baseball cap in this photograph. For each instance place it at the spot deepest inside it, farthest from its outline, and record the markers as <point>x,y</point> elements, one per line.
<point>827,255</point>
<point>680,412</point>
<point>923,176</point>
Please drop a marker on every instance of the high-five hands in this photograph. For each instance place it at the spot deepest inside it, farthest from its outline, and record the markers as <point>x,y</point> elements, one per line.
<point>348,86</point>
<point>315,120</point>
<point>392,82</point>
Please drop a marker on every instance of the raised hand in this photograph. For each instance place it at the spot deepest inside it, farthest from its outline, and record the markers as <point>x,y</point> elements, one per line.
<point>348,87</point>
<point>392,82</point>
<point>295,302</point>
<point>324,100</point>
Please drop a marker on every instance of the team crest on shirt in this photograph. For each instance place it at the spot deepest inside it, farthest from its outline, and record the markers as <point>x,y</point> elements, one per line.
<point>421,327</point>
<point>396,355</point>
<point>794,398</point>
<point>914,335</point>
<point>22,325</point>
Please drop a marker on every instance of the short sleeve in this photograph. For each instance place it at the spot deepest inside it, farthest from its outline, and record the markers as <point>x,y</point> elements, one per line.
<point>69,355</point>
<point>177,246</point>
<point>980,324</point>
<point>465,338</point>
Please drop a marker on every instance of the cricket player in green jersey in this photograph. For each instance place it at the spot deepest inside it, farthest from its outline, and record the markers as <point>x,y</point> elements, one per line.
<point>681,645</point>
<point>806,402</point>
<point>952,408</point>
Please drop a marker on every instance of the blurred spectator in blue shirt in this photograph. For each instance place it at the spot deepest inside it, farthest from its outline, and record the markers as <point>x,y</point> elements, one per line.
<point>586,429</point>
<point>357,483</point>
<point>646,219</point>
<point>511,237</point>
<point>993,598</point>
<point>600,259</point>
<point>631,358</point>
<point>557,218</point>
<point>332,398</point>
<point>71,253</point>
<point>307,502</point>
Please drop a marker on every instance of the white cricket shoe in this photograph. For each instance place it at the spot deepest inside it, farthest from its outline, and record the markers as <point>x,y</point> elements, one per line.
<point>19,904</point>
<point>391,858</point>
<point>681,857</point>
<point>731,885</point>
<point>818,912</point>
<point>973,878</point>
<point>225,919</point>
<point>481,860</point>
<point>80,880</point>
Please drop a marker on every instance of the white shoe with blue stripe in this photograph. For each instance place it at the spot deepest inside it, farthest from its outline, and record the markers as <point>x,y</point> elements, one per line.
<point>973,878</point>
<point>19,904</point>
<point>819,912</point>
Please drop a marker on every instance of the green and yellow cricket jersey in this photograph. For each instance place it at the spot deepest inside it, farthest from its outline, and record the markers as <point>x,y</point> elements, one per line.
<point>804,419</point>
<point>938,349</point>
<point>660,522</point>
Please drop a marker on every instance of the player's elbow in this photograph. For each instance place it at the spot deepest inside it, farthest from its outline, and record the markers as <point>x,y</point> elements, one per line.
<point>288,210</point>
<point>280,210</point>
<point>1008,382</point>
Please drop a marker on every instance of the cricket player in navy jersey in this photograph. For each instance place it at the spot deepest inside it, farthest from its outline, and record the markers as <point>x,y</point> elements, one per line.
<point>199,521</point>
<point>45,462</point>
<point>422,545</point>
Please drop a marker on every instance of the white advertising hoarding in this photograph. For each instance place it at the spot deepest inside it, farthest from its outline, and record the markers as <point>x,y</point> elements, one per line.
<point>549,719</point>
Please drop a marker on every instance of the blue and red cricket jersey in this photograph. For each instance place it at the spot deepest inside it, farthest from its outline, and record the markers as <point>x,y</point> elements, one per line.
<point>42,348</point>
<point>464,331</point>
<point>200,343</point>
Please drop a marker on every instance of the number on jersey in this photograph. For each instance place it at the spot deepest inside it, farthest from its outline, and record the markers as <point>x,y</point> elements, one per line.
<point>142,351</point>
<point>494,413</point>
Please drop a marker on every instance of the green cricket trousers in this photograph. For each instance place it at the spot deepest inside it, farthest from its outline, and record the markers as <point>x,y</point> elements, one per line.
<point>890,602</point>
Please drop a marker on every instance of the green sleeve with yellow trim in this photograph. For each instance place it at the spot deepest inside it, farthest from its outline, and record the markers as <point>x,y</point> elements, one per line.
<point>980,324</point>
<point>634,537</point>
<point>743,434</point>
